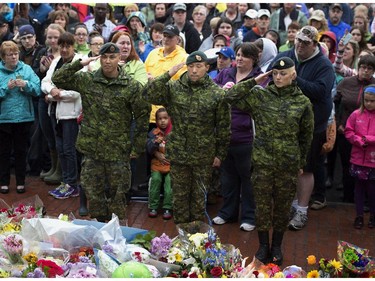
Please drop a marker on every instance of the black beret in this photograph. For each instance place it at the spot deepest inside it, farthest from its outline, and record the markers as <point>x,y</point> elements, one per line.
<point>109,48</point>
<point>196,56</point>
<point>283,63</point>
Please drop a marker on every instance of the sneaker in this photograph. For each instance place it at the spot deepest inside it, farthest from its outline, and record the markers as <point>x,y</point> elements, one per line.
<point>167,215</point>
<point>371,222</point>
<point>247,226</point>
<point>218,220</point>
<point>292,212</point>
<point>318,205</point>
<point>66,192</point>
<point>57,189</point>
<point>299,221</point>
<point>153,213</point>
<point>358,222</point>
<point>75,192</point>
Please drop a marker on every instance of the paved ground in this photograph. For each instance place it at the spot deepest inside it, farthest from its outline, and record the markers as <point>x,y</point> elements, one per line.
<point>319,237</point>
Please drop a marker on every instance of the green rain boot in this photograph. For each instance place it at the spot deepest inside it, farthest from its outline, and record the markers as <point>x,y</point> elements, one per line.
<point>56,177</point>
<point>83,211</point>
<point>53,155</point>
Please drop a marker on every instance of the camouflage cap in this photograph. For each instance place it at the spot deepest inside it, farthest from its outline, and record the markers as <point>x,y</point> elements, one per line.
<point>196,56</point>
<point>109,48</point>
<point>283,63</point>
<point>308,33</point>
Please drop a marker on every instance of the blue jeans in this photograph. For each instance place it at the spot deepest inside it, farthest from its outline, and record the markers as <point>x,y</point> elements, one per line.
<point>236,185</point>
<point>45,124</point>
<point>66,132</point>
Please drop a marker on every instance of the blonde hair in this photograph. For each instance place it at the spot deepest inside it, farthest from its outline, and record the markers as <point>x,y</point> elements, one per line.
<point>198,8</point>
<point>7,46</point>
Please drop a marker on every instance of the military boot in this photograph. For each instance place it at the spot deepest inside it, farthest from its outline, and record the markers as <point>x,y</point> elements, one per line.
<point>56,177</point>
<point>263,254</point>
<point>83,211</point>
<point>276,254</point>
<point>53,155</point>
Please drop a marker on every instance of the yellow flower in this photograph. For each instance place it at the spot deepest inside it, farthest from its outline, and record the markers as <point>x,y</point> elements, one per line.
<point>31,258</point>
<point>336,265</point>
<point>178,257</point>
<point>311,260</point>
<point>313,274</point>
<point>279,275</point>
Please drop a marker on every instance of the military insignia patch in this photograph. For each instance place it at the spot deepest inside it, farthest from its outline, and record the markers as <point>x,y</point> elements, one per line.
<point>282,63</point>
<point>112,49</point>
<point>198,58</point>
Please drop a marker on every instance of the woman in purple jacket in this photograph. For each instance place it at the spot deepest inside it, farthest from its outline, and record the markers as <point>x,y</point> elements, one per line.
<point>236,168</point>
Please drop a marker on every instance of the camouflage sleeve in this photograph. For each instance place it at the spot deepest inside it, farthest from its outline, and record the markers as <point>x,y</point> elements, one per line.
<point>68,77</point>
<point>223,122</point>
<point>151,145</point>
<point>141,110</point>
<point>306,133</point>
<point>156,92</point>
<point>239,93</point>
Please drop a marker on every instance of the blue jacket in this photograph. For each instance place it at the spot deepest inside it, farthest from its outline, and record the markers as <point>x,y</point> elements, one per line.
<point>16,106</point>
<point>315,77</point>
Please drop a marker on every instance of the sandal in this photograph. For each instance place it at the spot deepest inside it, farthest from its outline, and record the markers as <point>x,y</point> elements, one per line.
<point>4,189</point>
<point>20,189</point>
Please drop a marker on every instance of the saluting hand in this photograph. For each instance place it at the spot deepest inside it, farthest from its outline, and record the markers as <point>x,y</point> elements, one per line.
<point>262,77</point>
<point>86,61</point>
<point>175,69</point>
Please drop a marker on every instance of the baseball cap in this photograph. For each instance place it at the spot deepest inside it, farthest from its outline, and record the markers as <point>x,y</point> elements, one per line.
<point>251,13</point>
<point>317,15</point>
<point>179,6</point>
<point>308,33</point>
<point>264,12</point>
<point>171,30</point>
<point>26,29</point>
<point>227,52</point>
<point>336,5</point>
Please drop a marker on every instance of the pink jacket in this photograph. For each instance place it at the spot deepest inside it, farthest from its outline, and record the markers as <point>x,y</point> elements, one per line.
<point>361,125</point>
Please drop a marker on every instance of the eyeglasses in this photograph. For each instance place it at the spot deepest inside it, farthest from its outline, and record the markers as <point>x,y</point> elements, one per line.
<point>366,67</point>
<point>12,54</point>
<point>303,42</point>
<point>96,44</point>
<point>81,34</point>
<point>27,37</point>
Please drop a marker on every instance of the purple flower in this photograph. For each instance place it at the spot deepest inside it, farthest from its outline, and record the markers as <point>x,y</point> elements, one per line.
<point>108,249</point>
<point>161,245</point>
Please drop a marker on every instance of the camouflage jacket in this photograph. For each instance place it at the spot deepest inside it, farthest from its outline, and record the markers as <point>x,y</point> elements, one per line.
<point>201,120</point>
<point>108,106</point>
<point>284,123</point>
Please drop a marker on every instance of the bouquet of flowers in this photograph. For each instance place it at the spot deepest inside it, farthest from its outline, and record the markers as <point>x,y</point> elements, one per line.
<point>356,260</point>
<point>12,246</point>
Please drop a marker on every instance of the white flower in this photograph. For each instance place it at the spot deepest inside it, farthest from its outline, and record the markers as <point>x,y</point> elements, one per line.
<point>198,238</point>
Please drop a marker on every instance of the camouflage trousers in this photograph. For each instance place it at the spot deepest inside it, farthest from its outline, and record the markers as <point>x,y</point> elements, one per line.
<point>274,190</point>
<point>189,185</point>
<point>106,185</point>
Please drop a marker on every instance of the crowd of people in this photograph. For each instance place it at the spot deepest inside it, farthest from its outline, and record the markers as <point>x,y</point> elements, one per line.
<point>261,98</point>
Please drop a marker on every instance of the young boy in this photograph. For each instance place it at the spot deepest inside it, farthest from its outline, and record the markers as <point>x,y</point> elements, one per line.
<point>160,166</point>
<point>284,120</point>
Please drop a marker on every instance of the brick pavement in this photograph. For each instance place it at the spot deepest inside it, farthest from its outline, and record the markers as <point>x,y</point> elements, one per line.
<point>319,237</point>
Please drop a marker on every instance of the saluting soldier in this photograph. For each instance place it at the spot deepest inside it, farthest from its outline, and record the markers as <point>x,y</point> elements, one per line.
<point>284,120</point>
<point>110,99</point>
<point>200,136</point>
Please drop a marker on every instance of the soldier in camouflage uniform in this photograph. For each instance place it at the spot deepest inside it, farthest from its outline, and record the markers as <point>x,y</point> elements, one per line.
<point>109,99</point>
<point>201,132</point>
<point>284,120</point>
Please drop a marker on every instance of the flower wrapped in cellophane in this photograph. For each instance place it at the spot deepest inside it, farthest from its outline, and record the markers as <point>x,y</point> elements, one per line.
<point>200,252</point>
<point>356,259</point>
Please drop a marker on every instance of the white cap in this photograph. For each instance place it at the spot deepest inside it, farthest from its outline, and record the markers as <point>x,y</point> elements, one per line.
<point>251,13</point>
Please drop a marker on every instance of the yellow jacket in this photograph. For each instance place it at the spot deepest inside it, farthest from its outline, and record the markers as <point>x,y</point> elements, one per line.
<point>157,64</point>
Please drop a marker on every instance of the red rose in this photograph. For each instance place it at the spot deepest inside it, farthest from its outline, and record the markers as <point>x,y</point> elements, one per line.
<point>193,275</point>
<point>216,271</point>
<point>50,268</point>
<point>184,274</point>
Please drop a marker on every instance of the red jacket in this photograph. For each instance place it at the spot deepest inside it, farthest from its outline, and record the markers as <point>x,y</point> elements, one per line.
<point>361,125</point>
